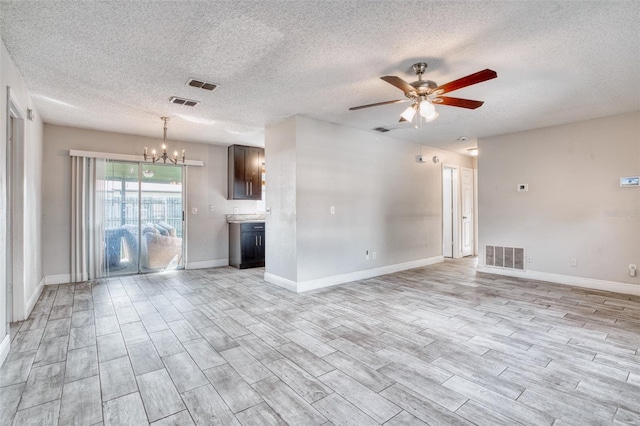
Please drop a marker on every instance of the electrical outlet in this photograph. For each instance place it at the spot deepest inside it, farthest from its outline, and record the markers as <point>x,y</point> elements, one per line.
<point>633,270</point>
<point>373,255</point>
<point>236,210</point>
<point>194,210</point>
<point>211,207</point>
<point>529,259</point>
<point>268,210</point>
<point>574,262</point>
<point>332,210</point>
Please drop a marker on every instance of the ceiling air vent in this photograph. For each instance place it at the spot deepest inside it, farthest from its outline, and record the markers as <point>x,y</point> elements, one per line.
<point>183,101</point>
<point>201,84</point>
<point>381,129</point>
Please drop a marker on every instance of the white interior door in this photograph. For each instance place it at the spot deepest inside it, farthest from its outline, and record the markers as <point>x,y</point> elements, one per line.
<point>447,212</point>
<point>467,212</point>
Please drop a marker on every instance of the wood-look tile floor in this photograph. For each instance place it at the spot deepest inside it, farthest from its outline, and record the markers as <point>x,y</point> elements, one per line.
<point>439,345</point>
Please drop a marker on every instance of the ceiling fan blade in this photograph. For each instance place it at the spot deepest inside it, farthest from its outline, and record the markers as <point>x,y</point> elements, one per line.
<point>399,83</point>
<point>476,78</point>
<point>457,102</point>
<point>378,104</point>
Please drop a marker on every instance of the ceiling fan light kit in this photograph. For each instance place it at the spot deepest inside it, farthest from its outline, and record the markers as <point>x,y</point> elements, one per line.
<point>425,93</point>
<point>409,113</point>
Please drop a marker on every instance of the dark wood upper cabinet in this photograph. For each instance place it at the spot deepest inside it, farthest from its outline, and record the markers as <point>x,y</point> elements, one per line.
<point>245,172</point>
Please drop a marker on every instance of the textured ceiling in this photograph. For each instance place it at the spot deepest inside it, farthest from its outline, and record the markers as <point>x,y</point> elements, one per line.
<point>112,65</point>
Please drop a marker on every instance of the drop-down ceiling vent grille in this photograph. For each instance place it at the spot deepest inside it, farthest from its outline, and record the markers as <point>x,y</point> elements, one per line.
<point>202,84</point>
<point>504,257</point>
<point>183,101</point>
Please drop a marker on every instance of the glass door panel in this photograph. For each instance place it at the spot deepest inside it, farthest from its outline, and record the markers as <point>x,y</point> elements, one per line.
<point>161,217</point>
<point>121,229</point>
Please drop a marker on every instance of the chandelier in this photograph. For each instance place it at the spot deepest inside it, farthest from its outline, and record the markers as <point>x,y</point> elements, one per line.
<point>164,156</point>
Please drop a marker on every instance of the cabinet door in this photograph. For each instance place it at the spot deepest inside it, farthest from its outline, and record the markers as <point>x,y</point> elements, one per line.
<point>240,185</point>
<point>260,247</point>
<point>253,172</point>
<point>249,246</point>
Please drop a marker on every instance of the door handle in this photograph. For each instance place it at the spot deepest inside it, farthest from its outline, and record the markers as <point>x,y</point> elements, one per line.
<point>260,236</point>
<point>250,188</point>
<point>256,240</point>
<point>246,188</point>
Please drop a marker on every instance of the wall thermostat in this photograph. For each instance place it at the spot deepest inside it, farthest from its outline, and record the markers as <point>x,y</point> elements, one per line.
<point>629,181</point>
<point>523,187</point>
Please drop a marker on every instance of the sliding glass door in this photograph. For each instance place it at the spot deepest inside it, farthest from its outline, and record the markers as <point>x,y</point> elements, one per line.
<point>143,218</point>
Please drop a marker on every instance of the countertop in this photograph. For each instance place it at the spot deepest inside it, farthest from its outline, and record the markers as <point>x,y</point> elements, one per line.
<point>245,218</point>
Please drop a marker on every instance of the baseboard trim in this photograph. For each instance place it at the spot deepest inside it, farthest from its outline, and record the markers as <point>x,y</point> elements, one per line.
<point>590,283</point>
<point>309,285</point>
<point>215,263</point>
<point>282,282</point>
<point>57,279</point>
<point>33,299</point>
<point>5,345</point>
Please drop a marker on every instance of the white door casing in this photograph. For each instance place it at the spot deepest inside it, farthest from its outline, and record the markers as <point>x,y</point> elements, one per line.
<point>447,212</point>
<point>454,189</point>
<point>467,233</point>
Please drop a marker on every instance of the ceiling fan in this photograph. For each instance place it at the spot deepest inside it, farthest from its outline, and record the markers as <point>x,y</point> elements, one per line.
<point>425,93</point>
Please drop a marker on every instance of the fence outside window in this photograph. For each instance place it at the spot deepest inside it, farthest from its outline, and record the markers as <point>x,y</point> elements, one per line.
<point>120,211</point>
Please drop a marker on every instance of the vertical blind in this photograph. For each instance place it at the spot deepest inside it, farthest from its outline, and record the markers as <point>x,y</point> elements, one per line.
<point>87,189</point>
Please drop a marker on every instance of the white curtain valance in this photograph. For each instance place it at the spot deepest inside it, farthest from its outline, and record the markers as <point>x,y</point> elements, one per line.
<point>123,157</point>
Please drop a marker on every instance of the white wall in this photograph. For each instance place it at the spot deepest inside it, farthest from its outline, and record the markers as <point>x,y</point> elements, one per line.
<point>574,207</point>
<point>29,189</point>
<point>280,178</point>
<point>384,201</point>
<point>207,232</point>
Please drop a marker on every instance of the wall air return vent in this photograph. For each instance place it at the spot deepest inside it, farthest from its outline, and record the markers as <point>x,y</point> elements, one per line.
<point>504,257</point>
<point>183,101</point>
<point>201,84</point>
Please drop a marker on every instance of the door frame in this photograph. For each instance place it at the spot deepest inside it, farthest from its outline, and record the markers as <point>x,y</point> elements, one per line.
<point>455,196</point>
<point>15,207</point>
<point>472,221</point>
<point>475,212</point>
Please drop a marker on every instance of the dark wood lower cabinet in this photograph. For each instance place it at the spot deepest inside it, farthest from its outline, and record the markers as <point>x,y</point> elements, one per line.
<point>246,245</point>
